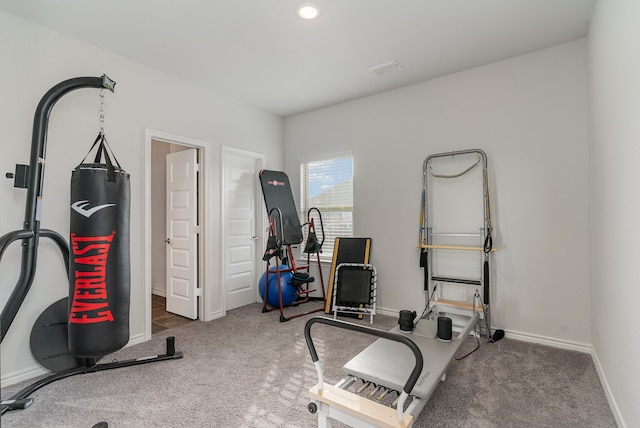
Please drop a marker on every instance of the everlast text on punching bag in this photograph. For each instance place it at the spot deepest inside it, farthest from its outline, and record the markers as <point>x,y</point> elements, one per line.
<point>99,265</point>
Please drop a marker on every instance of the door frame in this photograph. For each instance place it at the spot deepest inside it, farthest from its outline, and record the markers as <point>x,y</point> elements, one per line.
<point>260,225</point>
<point>203,215</point>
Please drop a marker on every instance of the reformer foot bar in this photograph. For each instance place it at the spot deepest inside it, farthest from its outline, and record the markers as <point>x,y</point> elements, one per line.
<point>413,363</point>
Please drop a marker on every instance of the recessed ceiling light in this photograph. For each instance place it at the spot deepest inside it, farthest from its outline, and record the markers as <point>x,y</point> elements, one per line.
<point>308,11</point>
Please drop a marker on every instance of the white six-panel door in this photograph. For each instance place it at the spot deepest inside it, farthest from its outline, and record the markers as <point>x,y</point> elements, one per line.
<point>241,224</point>
<point>181,237</point>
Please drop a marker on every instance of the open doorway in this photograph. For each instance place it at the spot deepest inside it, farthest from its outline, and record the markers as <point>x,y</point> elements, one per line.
<point>174,244</point>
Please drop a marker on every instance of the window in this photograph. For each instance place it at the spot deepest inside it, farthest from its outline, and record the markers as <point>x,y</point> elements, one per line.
<point>327,184</point>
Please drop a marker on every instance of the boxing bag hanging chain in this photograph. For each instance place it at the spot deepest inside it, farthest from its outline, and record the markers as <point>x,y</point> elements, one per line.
<point>101,112</point>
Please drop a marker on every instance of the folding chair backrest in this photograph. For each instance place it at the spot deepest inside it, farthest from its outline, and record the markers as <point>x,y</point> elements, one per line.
<point>346,250</point>
<point>354,285</point>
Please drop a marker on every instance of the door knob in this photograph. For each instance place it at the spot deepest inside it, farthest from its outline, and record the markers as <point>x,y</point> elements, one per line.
<point>168,240</point>
<point>254,238</point>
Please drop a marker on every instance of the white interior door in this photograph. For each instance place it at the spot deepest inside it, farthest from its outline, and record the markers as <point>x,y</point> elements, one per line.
<point>182,227</point>
<point>241,228</point>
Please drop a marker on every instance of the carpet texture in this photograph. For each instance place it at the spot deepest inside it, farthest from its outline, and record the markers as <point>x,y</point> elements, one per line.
<point>248,370</point>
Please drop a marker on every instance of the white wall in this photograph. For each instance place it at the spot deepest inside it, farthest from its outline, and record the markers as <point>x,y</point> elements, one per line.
<point>159,152</point>
<point>614,66</point>
<point>530,115</point>
<point>34,60</point>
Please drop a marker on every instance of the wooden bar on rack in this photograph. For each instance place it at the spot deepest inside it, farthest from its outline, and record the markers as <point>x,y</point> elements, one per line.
<point>457,304</point>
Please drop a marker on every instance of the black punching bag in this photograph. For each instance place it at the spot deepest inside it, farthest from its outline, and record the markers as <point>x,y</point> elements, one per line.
<point>99,266</point>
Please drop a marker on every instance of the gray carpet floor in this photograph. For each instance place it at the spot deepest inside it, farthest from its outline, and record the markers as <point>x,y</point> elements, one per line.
<point>249,370</point>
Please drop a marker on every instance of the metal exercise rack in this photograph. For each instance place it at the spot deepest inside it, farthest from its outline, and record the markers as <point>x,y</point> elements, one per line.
<point>456,278</point>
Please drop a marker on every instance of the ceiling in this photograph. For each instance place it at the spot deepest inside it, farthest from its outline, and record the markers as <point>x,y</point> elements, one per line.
<point>262,53</point>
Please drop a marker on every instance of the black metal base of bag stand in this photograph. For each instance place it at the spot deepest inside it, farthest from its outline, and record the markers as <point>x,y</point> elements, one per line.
<point>90,367</point>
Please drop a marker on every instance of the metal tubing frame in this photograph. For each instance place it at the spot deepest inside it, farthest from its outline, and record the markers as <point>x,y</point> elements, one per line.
<point>487,228</point>
<point>312,228</point>
<point>273,231</point>
<point>91,367</point>
<point>30,235</point>
<point>483,156</point>
<point>311,223</point>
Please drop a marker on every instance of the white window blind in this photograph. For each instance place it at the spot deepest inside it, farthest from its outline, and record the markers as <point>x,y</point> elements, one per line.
<point>327,184</point>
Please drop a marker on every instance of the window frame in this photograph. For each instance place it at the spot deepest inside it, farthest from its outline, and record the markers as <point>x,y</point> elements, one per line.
<point>305,204</point>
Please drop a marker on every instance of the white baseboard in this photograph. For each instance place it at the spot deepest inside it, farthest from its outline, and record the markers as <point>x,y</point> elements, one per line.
<point>215,315</point>
<point>549,341</point>
<point>22,375</point>
<point>134,340</point>
<point>386,311</point>
<point>159,292</point>
<point>607,391</point>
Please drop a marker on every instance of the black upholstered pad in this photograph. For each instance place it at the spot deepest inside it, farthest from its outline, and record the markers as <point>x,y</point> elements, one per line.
<point>276,190</point>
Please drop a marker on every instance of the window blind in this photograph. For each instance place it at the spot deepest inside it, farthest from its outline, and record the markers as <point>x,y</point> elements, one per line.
<point>327,184</point>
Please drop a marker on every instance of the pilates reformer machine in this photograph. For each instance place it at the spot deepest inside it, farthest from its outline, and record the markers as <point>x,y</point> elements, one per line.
<point>289,282</point>
<point>411,362</point>
<point>49,336</point>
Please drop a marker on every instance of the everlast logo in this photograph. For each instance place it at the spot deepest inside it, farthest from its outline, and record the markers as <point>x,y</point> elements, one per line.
<point>90,304</point>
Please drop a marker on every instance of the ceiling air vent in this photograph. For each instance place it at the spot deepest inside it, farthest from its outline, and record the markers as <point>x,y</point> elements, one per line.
<point>388,67</point>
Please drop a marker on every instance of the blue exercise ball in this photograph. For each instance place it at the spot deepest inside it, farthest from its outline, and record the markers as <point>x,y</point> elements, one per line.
<point>287,289</point>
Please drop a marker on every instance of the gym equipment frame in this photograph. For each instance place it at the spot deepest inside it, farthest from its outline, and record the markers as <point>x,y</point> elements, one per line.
<point>428,237</point>
<point>31,177</point>
<point>284,231</point>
